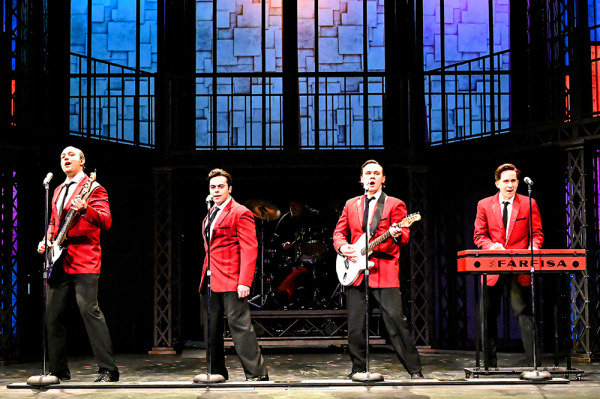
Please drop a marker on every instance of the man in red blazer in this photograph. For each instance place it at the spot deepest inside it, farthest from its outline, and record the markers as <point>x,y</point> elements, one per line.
<point>231,232</point>
<point>80,269</point>
<point>502,222</point>
<point>384,213</point>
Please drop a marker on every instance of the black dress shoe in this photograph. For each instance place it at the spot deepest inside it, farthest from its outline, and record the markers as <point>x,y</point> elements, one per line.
<point>416,375</point>
<point>64,375</point>
<point>259,378</point>
<point>352,374</point>
<point>108,376</point>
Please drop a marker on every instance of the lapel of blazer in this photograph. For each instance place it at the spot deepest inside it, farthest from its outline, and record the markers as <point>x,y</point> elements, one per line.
<point>222,216</point>
<point>516,205</point>
<point>57,194</point>
<point>497,211</point>
<point>360,209</point>
<point>74,193</point>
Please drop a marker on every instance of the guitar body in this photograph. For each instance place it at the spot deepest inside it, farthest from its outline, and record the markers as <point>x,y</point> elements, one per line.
<point>56,256</point>
<point>349,271</point>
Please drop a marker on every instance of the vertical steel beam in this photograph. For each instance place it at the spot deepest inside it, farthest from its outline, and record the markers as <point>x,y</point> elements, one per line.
<point>163,266</point>
<point>583,316</point>
<point>8,264</point>
<point>419,262</point>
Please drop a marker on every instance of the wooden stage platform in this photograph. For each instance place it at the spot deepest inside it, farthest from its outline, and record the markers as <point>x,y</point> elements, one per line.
<point>299,373</point>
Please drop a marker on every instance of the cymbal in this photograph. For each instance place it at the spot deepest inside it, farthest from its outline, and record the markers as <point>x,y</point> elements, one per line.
<point>263,209</point>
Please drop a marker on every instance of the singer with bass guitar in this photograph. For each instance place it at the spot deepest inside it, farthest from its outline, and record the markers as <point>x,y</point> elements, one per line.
<point>383,215</point>
<point>80,210</point>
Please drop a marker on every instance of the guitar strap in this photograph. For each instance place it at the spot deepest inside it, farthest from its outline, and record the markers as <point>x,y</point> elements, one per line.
<point>95,185</point>
<point>377,216</point>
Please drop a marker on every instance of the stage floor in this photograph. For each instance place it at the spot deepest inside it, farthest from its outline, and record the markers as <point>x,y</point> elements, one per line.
<point>303,373</point>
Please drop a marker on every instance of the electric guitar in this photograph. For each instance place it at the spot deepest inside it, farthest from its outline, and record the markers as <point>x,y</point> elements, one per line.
<point>348,271</point>
<point>56,251</point>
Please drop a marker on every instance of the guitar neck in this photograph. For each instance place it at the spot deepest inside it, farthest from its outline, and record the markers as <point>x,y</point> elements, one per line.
<point>65,226</point>
<point>379,240</point>
<point>406,222</point>
<point>68,220</point>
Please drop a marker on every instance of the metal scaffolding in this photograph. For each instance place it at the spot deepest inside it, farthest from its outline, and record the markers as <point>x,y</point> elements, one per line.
<point>8,264</point>
<point>165,292</point>
<point>584,316</point>
<point>420,275</point>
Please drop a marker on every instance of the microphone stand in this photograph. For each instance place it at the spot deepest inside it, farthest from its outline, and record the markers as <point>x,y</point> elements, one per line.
<point>44,379</point>
<point>208,378</point>
<point>534,375</point>
<point>367,376</point>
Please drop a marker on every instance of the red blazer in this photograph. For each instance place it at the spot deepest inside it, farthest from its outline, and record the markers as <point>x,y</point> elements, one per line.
<point>348,230</point>
<point>233,249</point>
<point>489,228</point>
<point>83,250</point>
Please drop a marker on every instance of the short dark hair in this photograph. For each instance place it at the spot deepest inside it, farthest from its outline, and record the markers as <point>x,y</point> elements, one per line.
<point>220,172</point>
<point>505,167</point>
<point>371,161</point>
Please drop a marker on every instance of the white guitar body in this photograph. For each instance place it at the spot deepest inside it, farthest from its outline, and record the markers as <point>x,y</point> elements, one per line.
<point>348,271</point>
<point>55,253</point>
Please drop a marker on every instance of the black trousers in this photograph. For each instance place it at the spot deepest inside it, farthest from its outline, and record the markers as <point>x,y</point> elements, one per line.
<point>86,294</point>
<point>244,339</point>
<point>400,335</point>
<point>520,298</point>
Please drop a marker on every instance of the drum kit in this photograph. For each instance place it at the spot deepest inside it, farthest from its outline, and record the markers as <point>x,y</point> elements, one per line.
<point>300,278</point>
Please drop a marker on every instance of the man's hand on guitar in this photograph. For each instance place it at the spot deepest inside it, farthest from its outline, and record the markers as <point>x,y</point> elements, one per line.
<point>79,204</point>
<point>395,230</point>
<point>41,247</point>
<point>349,252</point>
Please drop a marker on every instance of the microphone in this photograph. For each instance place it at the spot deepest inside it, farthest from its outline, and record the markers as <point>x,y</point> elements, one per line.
<point>366,186</point>
<point>209,202</point>
<point>528,181</point>
<point>49,177</point>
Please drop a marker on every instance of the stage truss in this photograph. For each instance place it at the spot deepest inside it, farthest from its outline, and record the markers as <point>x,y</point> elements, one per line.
<point>8,265</point>
<point>310,327</point>
<point>420,276</point>
<point>166,309</point>
<point>584,315</point>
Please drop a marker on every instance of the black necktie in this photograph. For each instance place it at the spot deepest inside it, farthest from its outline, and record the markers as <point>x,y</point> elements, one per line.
<point>505,213</point>
<point>366,216</point>
<point>64,199</point>
<point>211,219</point>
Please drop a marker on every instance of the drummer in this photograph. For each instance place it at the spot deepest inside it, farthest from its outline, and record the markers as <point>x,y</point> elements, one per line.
<point>291,235</point>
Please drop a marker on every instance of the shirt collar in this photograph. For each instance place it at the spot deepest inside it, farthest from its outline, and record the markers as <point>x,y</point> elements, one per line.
<point>224,204</point>
<point>75,179</point>
<point>376,196</point>
<point>502,200</point>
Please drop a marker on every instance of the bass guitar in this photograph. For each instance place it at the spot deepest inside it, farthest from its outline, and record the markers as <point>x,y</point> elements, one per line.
<point>348,270</point>
<point>56,250</point>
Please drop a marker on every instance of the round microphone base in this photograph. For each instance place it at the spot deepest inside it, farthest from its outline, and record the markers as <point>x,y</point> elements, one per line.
<point>43,380</point>
<point>535,375</point>
<point>367,377</point>
<point>208,378</point>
